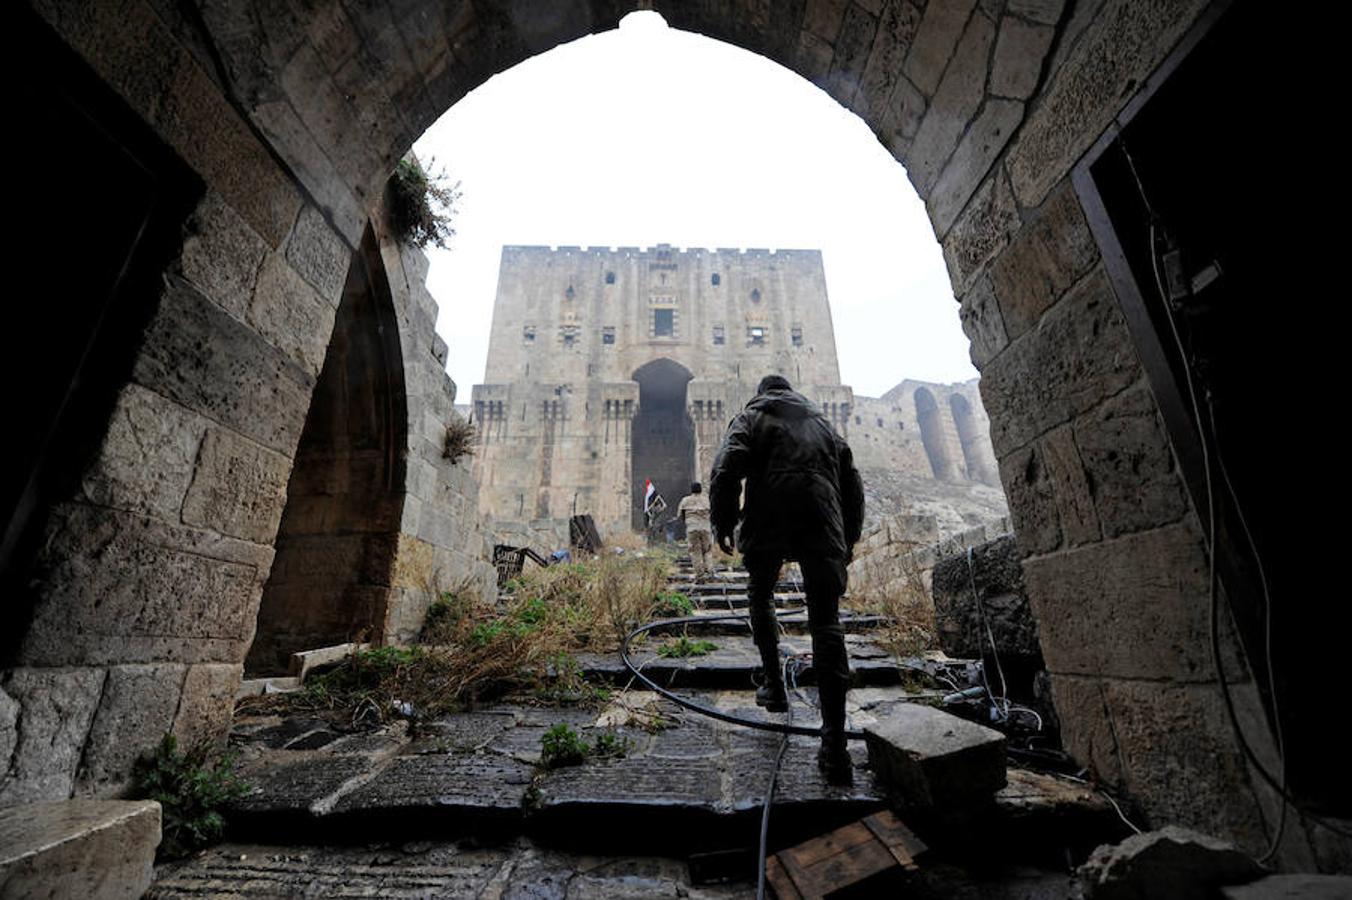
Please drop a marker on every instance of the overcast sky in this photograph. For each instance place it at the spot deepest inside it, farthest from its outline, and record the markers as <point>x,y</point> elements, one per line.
<point>650,135</point>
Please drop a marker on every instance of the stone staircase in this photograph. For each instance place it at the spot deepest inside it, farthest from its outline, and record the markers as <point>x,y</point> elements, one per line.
<point>694,786</point>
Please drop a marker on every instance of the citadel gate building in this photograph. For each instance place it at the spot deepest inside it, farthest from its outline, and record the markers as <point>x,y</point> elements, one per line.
<point>607,368</point>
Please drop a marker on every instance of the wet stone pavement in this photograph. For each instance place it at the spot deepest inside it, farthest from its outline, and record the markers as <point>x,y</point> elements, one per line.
<point>461,806</point>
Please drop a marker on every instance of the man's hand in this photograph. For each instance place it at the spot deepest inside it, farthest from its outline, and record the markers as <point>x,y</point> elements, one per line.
<point>725,544</point>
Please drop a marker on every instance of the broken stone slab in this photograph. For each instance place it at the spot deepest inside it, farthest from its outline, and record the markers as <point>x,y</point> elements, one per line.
<point>254,687</point>
<point>1301,886</point>
<point>1173,861</point>
<point>924,757</point>
<point>302,663</point>
<point>78,848</point>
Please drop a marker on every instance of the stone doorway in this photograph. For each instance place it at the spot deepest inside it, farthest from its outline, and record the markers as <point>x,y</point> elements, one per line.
<point>331,577</point>
<point>663,435</point>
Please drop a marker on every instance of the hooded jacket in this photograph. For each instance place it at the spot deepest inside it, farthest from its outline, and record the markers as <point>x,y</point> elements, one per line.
<point>803,492</point>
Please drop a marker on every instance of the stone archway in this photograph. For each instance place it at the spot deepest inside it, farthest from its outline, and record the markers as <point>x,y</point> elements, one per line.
<point>292,120</point>
<point>335,549</point>
<point>663,435</point>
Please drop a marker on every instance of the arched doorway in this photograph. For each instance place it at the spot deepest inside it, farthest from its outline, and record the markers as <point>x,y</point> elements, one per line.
<point>331,577</point>
<point>933,436</point>
<point>663,435</point>
<point>974,454</point>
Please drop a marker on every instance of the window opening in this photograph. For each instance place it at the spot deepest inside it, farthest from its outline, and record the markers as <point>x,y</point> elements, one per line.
<point>664,322</point>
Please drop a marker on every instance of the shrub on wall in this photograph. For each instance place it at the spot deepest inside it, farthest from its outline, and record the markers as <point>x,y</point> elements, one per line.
<point>421,205</point>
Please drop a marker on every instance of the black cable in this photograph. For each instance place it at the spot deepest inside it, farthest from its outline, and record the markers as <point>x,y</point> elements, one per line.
<point>712,712</point>
<point>770,794</point>
<point>1213,593</point>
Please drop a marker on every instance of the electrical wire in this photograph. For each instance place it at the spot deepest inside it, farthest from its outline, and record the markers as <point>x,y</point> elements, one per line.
<point>1276,784</point>
<point>763,851</point>
<point>712,712</point>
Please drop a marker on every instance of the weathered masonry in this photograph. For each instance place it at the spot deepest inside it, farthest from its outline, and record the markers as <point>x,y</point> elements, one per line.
<point>607,368</point>
<point>1059,148</point>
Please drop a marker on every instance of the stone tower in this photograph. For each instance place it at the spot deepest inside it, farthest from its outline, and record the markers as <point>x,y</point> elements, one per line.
<point>607,368</point>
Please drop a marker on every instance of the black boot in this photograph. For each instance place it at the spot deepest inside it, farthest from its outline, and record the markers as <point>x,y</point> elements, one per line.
<point>765,630</point>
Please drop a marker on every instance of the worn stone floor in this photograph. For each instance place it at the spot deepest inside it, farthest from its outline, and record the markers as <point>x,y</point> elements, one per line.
<point>461,807</point>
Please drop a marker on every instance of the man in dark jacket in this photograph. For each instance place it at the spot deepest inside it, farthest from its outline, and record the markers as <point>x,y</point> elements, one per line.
<point>805,502</point>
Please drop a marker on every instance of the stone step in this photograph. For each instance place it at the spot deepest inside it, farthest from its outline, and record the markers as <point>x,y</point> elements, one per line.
<point>734,661</point>
<point>99,849</point>
<point>686,784</point>
<point>693,785</point>
<point>717,624</point>
<point>739,601</point>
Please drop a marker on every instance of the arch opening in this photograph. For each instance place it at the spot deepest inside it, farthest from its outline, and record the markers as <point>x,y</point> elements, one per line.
<point>934,437</point>
<point>663,435</point>
<point>331,576</point>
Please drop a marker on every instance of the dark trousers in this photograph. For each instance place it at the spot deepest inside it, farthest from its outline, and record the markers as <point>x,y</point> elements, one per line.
<point>823,582</point>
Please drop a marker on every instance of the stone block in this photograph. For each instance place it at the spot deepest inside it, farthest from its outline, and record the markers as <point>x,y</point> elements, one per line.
<point>207,132</point>
<point>1049,255</point>
<point>238,488</point>
<point>982,322</point>
<point>289,135</point>
<point>971,161</point>
<point>983,228</point>
<point>1019,51</point>
<point>1072,487</point>
<point>135,711</point>
<point>1180,760</point>
<point>814,58</point>
<point>924,757</point>
<point>1149,591</point>
<point>221,255</point>
<point>207,703</point>
<point>55,709</point>
<point>320,255</point>
<point>1118,50</point>
<point>291,315</point>
<point>954,104</point>
<point>1080,354</point>
<point>822,18</point>
<point>900,121</point>
<point>1130,464</point>
<point>1086,726</point>
<point>1046,12</point>
<point>146,461</point>
<point>934,42</point>
<point>197,355</point>
<point>996,578</point>
<point>852,46</point>
<point>119,588</point>
<point>1173,861</point>
<point>94,849</point>
<point>898,21</point>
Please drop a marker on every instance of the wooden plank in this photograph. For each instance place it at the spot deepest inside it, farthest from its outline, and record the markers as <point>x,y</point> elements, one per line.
<point>798,874</point>
<point>779,879</point>
<point>814,851</point>
<point>851,865</point>
<point>899,840</point>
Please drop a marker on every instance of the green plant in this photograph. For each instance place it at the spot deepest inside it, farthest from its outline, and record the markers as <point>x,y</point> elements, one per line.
<point>561,746</point>
<point>682,647</point>
<point>421,205</point>
<point>191,788</point>
<point>610,745</point>
<point>672,604</point>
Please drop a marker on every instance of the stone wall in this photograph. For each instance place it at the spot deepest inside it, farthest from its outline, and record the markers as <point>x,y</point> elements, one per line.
<point>443,544</point>
<point>292,118</point>
<point>900,552</point>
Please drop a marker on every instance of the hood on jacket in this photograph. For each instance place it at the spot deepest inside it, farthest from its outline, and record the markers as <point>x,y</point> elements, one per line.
<point>784,404</point>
